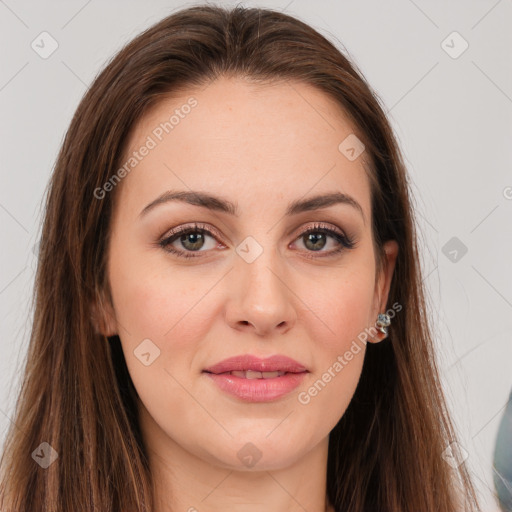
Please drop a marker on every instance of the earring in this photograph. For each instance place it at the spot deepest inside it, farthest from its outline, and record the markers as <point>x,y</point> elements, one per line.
<point>382,324</point>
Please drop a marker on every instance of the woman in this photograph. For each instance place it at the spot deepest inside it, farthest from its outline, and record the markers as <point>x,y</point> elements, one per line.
<point>229,305</point>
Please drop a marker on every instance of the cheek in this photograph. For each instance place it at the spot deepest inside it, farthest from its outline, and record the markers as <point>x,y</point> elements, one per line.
<point>157,301</point>
<point>167,309</point>
<point>174,308</point>
<point>340,310</point>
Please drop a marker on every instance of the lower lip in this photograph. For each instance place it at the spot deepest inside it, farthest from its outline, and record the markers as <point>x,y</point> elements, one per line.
<point>257,390</point>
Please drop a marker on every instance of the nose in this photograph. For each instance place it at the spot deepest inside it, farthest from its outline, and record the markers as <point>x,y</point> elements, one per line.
<point>261,296</point>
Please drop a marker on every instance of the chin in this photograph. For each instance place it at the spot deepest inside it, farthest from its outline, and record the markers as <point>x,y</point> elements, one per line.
<point>256,455</point>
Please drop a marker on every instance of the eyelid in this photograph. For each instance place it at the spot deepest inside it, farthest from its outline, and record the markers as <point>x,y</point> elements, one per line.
<point>319,225</point>
<point>345,241</point>
<point>208,227</point>
<point>192,226</point>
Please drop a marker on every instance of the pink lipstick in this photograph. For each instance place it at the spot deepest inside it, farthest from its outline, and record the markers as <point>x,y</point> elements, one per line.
<point>257,380</point>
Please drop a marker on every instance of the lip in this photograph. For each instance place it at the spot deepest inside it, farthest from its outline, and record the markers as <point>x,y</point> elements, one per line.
<point>257,390</point>
<point>249,362</point>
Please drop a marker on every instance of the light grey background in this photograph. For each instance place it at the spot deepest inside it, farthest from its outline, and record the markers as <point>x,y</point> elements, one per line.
<point>453,118</point>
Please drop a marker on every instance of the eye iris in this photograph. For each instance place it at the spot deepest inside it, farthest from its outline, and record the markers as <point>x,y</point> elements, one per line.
<point>197,240</point>
<point>315,237</point>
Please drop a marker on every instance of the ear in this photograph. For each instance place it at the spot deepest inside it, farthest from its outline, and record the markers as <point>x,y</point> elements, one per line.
<point>103,316</point>
<point>383,280</point>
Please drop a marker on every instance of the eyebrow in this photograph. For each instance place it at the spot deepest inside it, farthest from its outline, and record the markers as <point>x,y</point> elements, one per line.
<point>222,205</point>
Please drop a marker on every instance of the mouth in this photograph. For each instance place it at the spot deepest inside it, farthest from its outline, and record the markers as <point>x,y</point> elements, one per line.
<point>252,379</point>
<point>252,374</point>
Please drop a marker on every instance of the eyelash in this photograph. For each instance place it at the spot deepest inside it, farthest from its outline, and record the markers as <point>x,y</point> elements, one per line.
<point>345,242</point>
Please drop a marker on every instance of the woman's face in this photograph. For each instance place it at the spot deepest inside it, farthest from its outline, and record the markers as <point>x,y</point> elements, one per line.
<point>255,283</point>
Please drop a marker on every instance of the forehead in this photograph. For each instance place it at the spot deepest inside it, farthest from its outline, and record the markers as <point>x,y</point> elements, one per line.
<point>247,142</point>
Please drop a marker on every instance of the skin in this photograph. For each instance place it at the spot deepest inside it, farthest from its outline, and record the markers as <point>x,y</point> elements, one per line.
<point>260,147</point>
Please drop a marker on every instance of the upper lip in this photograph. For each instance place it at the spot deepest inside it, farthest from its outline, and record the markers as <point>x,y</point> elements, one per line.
<point>248,362</point>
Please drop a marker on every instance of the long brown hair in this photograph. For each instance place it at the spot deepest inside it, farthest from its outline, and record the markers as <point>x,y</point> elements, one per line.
<point>385,454</point>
